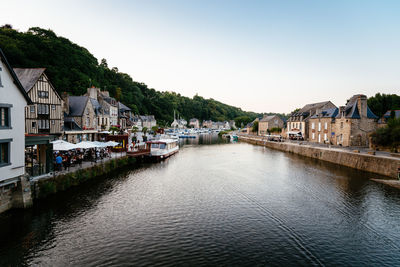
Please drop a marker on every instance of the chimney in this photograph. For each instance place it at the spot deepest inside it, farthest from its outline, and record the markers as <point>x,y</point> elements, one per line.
<point>362,105</point>
<point>93,92</point>
<point>105,93</point>
<point>65,99</point>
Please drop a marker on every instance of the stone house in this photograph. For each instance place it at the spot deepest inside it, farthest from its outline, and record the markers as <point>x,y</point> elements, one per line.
<point>101,108</point>
<point>322,126</point>
<point>80,123</point>
<point>148,121</point>
<point>298,121</point>
<point>354,123</point>
<point>110,105</point>
<point>125,118</point>
<point>13,99</point>
<point>179,123</point>
<point>194,123</point>
<point>232,124</point>
<point>269,122</point>
<point>207,124</point>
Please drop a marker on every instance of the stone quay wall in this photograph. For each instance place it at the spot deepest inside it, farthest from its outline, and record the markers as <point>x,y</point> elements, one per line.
<point>386,166</point>
<point>51,185</point>
<point>23,193</point>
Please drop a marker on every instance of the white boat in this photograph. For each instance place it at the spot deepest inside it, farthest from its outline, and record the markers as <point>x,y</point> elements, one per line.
<point>163,148</point>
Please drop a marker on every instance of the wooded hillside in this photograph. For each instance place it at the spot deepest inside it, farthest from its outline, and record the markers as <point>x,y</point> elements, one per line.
<point>72,68</point>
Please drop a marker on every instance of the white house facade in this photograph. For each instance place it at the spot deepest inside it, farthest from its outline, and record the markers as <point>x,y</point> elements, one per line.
<point>13,100</point>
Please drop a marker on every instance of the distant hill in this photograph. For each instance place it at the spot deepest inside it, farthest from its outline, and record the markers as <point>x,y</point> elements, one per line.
<point>72,68</point>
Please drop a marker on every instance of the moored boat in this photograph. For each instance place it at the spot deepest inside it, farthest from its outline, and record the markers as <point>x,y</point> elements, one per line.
<point>163,148</point>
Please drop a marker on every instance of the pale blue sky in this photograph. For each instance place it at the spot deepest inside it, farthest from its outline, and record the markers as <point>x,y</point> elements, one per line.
<point>263,56</point>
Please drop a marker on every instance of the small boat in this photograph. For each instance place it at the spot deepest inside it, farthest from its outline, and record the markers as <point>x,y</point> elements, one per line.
<point>163,148</point>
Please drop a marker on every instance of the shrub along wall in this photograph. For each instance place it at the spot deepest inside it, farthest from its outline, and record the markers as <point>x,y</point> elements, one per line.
<point>43,188</point>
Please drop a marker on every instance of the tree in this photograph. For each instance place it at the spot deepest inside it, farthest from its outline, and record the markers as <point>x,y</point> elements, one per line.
<point>118,93</point>
<point>241,121</point>
<point>255,127</point>
<point>114,129</point>
<point>72,69</point>
<point>144,130</point>
<point>295,111</point>
<point>388,136</point>
<point>154,129</point>
<point>381,103</point>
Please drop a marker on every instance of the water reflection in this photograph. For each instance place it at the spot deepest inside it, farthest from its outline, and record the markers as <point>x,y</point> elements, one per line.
<point>225,204</point>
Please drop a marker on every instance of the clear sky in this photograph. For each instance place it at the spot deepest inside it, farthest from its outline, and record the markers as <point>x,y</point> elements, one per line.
<point>263,56</point>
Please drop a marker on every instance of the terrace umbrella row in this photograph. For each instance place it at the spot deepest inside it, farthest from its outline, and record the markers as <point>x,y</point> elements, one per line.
<point>62,145</point>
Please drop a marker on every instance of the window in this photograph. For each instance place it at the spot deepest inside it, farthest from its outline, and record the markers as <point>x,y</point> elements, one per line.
<point>43,94</point>
<point>5,122</point>
<point>44,124</point>
<point>87,122</point>
<point>313,125</point>
<point>326,126</point>
<point>32,109</point>
<point>53,107</point>
<point>313,136</point>
<point>33,124</point>
<point>52,122</point>
<point>43,109</point>
<point>319,126</point>
<point>341,125</point>
<point>1,85</point>
<point>325,137</point>
<point>5,152</point>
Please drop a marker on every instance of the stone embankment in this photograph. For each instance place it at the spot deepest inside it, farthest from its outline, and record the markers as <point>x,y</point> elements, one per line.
<point>387,166</point>
<point>51,185</point>
<point>25,192</point>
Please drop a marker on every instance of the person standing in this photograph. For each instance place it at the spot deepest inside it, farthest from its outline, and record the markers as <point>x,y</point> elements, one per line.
<point>59,162</point>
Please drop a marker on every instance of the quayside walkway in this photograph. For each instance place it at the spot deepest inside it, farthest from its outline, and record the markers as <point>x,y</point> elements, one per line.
<point>84,165</point>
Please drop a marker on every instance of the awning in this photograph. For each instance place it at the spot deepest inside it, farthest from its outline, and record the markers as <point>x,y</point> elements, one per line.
<point>86,145</point>
<point>40,139</point>
<point>63,145</point>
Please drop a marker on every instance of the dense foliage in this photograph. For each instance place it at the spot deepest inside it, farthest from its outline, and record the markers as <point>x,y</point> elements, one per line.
<point>72,68</point>
<point>381,103</point>
<point>389,135</point>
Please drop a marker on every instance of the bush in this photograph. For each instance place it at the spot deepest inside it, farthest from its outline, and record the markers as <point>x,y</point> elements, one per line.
<point>388,136</point>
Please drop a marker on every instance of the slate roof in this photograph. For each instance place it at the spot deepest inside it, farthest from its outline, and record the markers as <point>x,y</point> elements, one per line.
<point>268,118</point>
<point>28,76</point>
<point>96,105</point>
<point>122,107</point>
<point>111,100</point>
<point>70,124</point>
<point>352,112</point>
<point>15,78</point>
<point>396,114</point>
<point>147,117</point>
<point>327,113</point>
<point>308,107</point>
<point>77,105</point>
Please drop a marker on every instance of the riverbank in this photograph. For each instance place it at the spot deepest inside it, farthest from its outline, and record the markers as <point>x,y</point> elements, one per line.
<point>25,192</point>
<point>381,165</point>
<point>51,185</point>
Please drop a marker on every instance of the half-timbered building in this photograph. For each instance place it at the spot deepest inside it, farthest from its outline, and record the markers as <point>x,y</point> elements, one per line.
<point>45,115</point>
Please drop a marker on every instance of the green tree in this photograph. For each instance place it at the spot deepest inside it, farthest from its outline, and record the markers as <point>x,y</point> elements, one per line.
<point>72,69</point>
<point>255,127</point>
<point>381,103</point>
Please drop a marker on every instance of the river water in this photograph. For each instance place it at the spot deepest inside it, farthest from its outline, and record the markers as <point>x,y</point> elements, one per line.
<point>212,204</point>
